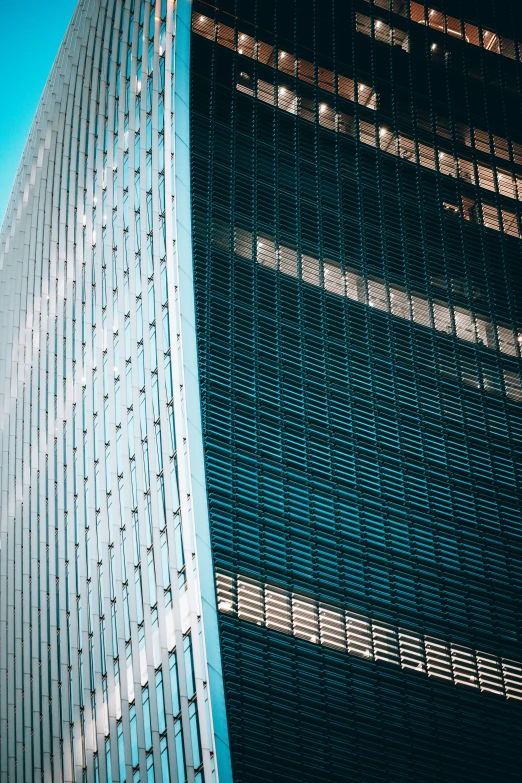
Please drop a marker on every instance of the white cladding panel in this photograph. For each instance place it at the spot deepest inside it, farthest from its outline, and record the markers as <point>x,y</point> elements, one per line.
<point>109,656</point>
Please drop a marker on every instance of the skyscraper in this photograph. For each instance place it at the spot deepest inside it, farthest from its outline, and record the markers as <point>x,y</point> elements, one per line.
<point>261,398</point>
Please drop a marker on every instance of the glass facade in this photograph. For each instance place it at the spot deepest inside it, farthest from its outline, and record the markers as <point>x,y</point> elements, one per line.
<point>109,662</point>
<point>356,176</point>
<point>261,398</point>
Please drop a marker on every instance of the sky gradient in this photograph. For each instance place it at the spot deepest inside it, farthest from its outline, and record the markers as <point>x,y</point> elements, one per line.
<point>30,36</point>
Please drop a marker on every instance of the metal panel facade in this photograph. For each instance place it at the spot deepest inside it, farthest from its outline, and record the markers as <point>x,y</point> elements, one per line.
<point>109,663</point>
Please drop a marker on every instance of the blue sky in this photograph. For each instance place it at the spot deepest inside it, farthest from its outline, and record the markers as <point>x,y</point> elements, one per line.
<point>30,35</point>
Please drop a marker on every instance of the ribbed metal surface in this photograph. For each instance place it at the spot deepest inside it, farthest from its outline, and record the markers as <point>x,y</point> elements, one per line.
<point>105,673</point>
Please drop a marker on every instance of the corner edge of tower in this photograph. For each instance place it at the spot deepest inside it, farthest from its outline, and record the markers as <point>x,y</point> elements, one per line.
<point>206,575</point>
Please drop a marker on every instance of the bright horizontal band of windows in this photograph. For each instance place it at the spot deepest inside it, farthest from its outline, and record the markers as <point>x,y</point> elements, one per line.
<point>492,216</point>
<point>285,62</point>
<point>475,138</point>
<point>375,135</point>
<point>381,137</point>
<point>451,25</point>
<point>379,294</point>
<point>480,140</point>
<point>486,214</point>
<point>328,625</point>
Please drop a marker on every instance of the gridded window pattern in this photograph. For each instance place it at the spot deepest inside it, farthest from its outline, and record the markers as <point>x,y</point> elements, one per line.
<point>321,623</point>
<point>375,133</point>
<point>360,434</point>
<point>381,137</point>
<point>309,713</point>
<point>374,292</point>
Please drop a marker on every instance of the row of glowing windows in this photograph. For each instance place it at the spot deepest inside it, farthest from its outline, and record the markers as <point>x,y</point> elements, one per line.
<point>317,622</point>
<point>374,292</point>
<point>484,176</point>
<point>416,12</point>
<point>380,137</point>
<point>438,20</point>
<point>345,87</point>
